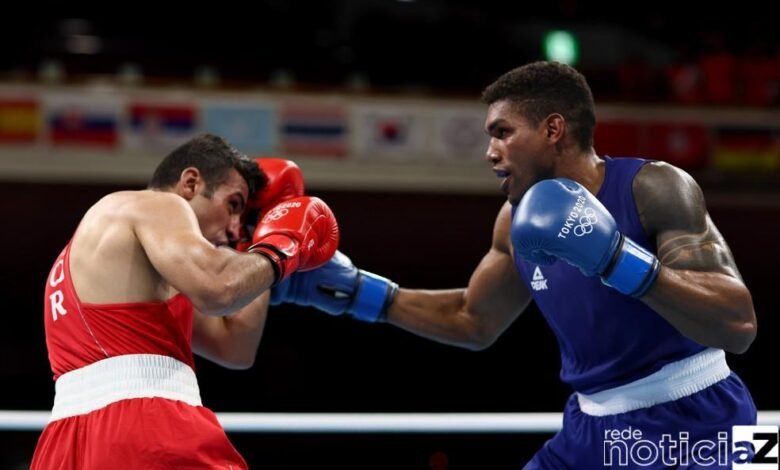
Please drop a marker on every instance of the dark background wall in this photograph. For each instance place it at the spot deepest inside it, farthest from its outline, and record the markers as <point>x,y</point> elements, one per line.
<point>309,361</point>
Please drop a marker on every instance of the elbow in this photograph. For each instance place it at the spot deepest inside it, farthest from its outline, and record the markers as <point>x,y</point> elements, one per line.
<point>240,363</point>
<point>232,357</point>
<point>741,337</point>
<point>234,363</point>
<point>743,330</point>
<point>479,346</point>
<point>480,343</point>
<point>479,337</point>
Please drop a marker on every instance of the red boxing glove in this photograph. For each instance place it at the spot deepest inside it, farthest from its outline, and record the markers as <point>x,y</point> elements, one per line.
<point>285,181</point>
<point>299,234</point>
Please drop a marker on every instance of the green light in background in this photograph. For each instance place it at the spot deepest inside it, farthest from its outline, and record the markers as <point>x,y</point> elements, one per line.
<point>561,46</point>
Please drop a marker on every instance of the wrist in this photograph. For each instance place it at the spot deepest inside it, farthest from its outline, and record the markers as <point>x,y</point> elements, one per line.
<point>373,297</point>
<point>633,270</point>
<point>281,251</point>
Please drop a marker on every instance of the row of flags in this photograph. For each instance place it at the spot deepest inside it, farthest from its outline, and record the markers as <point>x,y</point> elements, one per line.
<point>301,128</point>
<point>693,146</point>
<point>344,129</point>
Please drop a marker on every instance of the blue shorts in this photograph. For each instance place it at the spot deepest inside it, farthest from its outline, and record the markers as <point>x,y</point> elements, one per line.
<point>693,432</point>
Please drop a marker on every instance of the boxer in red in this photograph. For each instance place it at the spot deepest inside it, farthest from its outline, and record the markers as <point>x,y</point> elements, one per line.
<point>147,279</point>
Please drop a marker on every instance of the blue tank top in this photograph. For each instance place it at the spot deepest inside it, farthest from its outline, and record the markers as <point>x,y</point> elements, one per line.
<point>606,338</point>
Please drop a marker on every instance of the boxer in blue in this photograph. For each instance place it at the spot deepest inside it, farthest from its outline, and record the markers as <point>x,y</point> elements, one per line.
<point>625,264</point>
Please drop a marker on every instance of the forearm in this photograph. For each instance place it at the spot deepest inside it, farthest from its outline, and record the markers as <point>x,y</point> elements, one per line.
<point>439,315</point>
<point>712,309</point>
<point>238,280</point>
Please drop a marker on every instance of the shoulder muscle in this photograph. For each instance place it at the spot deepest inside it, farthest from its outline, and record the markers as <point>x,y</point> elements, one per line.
<point>673,212</point>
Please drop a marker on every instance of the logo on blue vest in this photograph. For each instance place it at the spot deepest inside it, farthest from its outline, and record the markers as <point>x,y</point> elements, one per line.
<point>538,282</point>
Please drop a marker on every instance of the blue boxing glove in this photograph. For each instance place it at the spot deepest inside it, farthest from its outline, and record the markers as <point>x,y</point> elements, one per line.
<point>560,219</point>
<point>339,287</point>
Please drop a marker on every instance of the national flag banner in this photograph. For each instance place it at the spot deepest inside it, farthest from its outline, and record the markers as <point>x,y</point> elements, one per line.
<point>314,129</point>
<point>686,145</point>
<point>458,134</point>
<point>249,127</point>
<point>19,120</point>
<point>747,148</point>
<point>618,139</point>
<point>389,132</point>
<point>83,121</point>
<point>153,125</point>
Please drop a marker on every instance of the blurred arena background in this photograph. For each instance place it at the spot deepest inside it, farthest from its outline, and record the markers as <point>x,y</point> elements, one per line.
<point>378,102</point>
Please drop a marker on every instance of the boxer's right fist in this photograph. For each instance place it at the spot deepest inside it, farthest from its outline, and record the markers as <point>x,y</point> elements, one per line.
<point>299,234</point>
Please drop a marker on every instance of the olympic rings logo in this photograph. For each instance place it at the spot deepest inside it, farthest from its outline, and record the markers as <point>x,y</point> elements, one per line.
<point>587,221</point>
<point>275,214</point>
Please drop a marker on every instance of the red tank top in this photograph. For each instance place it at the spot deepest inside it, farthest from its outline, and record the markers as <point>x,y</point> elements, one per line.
<point>79,334</point>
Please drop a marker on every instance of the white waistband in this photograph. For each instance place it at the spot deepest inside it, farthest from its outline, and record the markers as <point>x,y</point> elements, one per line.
<point>673,381</point>
<point>118,378</point>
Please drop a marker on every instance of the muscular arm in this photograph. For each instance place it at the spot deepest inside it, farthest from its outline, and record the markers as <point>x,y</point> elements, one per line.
<point>699,289</point>
<point>218,281</point>
<point>231,341</point>
<point>475,316</point>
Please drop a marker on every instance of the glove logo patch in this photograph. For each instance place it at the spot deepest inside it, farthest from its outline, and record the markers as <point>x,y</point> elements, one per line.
<point>275,214</point>
<point>579,214</point>
<point>587,221</point>
<point>280,211</point>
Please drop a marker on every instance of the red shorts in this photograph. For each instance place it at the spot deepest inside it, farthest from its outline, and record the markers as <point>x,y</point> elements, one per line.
<point>138,433</point>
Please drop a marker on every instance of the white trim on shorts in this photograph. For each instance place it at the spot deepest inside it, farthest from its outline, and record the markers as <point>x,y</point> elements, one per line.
<point>97,385</point>
<point>673,381</point>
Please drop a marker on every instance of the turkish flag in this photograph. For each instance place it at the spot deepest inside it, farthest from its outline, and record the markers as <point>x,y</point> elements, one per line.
<point>682,144</point>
